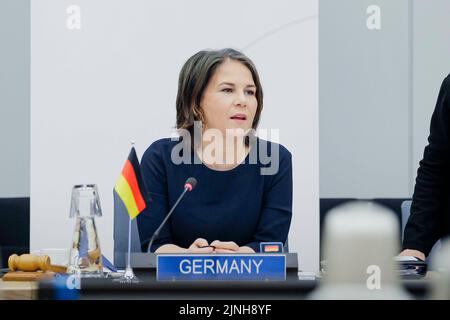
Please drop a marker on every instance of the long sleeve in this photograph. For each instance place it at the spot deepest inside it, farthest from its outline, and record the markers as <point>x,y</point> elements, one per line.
<point>424,225</point>
<point>276,214</point>
<point>241,205</point>
<point>155,180</point>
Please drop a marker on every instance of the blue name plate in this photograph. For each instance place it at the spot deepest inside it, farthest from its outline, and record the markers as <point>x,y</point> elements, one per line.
<point>231,267</point>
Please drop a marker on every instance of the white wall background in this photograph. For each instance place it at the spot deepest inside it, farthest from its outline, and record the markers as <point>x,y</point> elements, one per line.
<point>431,64</point>
<point>378,90</point>
<point>95,89</point>
<point>14,98</point>
<point>364,100</point>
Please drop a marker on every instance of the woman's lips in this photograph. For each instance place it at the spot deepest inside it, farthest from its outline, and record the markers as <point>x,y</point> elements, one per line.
<point>239,117</point>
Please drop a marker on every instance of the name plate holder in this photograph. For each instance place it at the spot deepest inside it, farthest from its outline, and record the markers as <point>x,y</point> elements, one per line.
<point>221,267</point>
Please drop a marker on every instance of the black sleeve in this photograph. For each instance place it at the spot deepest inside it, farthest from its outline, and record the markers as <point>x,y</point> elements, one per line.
<point>155,180</point>
<point>424,225</point>
<point>276,213</point>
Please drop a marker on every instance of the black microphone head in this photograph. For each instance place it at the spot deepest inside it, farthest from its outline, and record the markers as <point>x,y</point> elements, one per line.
<point>190,183</point>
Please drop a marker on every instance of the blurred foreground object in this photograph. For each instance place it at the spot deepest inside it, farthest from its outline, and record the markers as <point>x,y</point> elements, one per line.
<point>440,288</point>
<point>360,242</point>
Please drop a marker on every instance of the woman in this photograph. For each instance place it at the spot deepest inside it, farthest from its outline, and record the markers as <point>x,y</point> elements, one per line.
<point>234,206</point>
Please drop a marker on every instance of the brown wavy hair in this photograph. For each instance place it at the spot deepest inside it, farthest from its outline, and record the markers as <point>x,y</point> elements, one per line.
<point>194,77</point>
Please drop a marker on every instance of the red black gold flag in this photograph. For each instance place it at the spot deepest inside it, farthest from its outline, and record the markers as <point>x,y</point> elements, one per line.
<point>130,186</point>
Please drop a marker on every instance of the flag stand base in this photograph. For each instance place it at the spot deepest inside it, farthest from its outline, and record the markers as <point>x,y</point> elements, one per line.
<point>128,276</point>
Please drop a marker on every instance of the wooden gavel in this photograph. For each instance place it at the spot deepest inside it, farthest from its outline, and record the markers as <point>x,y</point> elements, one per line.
<point>30,262</point>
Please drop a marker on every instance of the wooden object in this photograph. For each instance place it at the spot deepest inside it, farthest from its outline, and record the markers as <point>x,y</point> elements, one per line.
<point>18,290</point>
<point>28,275</point>
<point>29,262</point>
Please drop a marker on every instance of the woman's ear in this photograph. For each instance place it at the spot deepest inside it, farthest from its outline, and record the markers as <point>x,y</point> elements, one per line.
<point>195,112</point>
<point>198,113</point>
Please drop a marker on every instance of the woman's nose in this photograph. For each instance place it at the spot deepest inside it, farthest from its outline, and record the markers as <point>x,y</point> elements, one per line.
<point>241,100</point>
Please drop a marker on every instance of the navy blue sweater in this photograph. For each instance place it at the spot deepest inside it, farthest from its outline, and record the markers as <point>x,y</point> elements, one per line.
<point>239,205</point>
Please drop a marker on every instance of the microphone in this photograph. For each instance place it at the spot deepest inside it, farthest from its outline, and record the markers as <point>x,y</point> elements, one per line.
<point>190,183</point>
<point>188,186</point>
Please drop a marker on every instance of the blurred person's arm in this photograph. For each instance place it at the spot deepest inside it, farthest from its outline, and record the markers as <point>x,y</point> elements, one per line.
<point>424,227</point>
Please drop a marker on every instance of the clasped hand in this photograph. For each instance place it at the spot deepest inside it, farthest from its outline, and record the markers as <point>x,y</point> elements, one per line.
<point>201,246</point>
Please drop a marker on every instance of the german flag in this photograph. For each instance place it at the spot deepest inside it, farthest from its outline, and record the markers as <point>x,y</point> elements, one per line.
<point>130,187</point>
<point>271,248</point>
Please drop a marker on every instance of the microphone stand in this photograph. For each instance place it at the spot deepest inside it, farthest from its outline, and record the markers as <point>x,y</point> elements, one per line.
<point>156,233</point>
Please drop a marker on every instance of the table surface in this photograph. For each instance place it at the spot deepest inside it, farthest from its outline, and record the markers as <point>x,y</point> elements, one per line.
<point>18,290</point>
<point>151,289</point>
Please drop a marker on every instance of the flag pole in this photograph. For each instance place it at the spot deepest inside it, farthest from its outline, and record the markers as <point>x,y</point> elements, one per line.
<point>129,276</point>
<point>129,243</point>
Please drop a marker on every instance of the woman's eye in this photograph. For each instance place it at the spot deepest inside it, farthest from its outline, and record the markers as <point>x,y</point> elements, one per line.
<point>251,92</point>
<point>227,90</point>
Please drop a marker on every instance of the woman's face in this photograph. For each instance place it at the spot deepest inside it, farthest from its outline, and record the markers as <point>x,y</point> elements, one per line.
<point>229,100</point>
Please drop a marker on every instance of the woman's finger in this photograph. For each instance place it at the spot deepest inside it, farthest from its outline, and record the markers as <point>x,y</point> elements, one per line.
<point>224,251</point>
<point>230,245</point>
<point>200,250</point>
<point>200,242</point>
